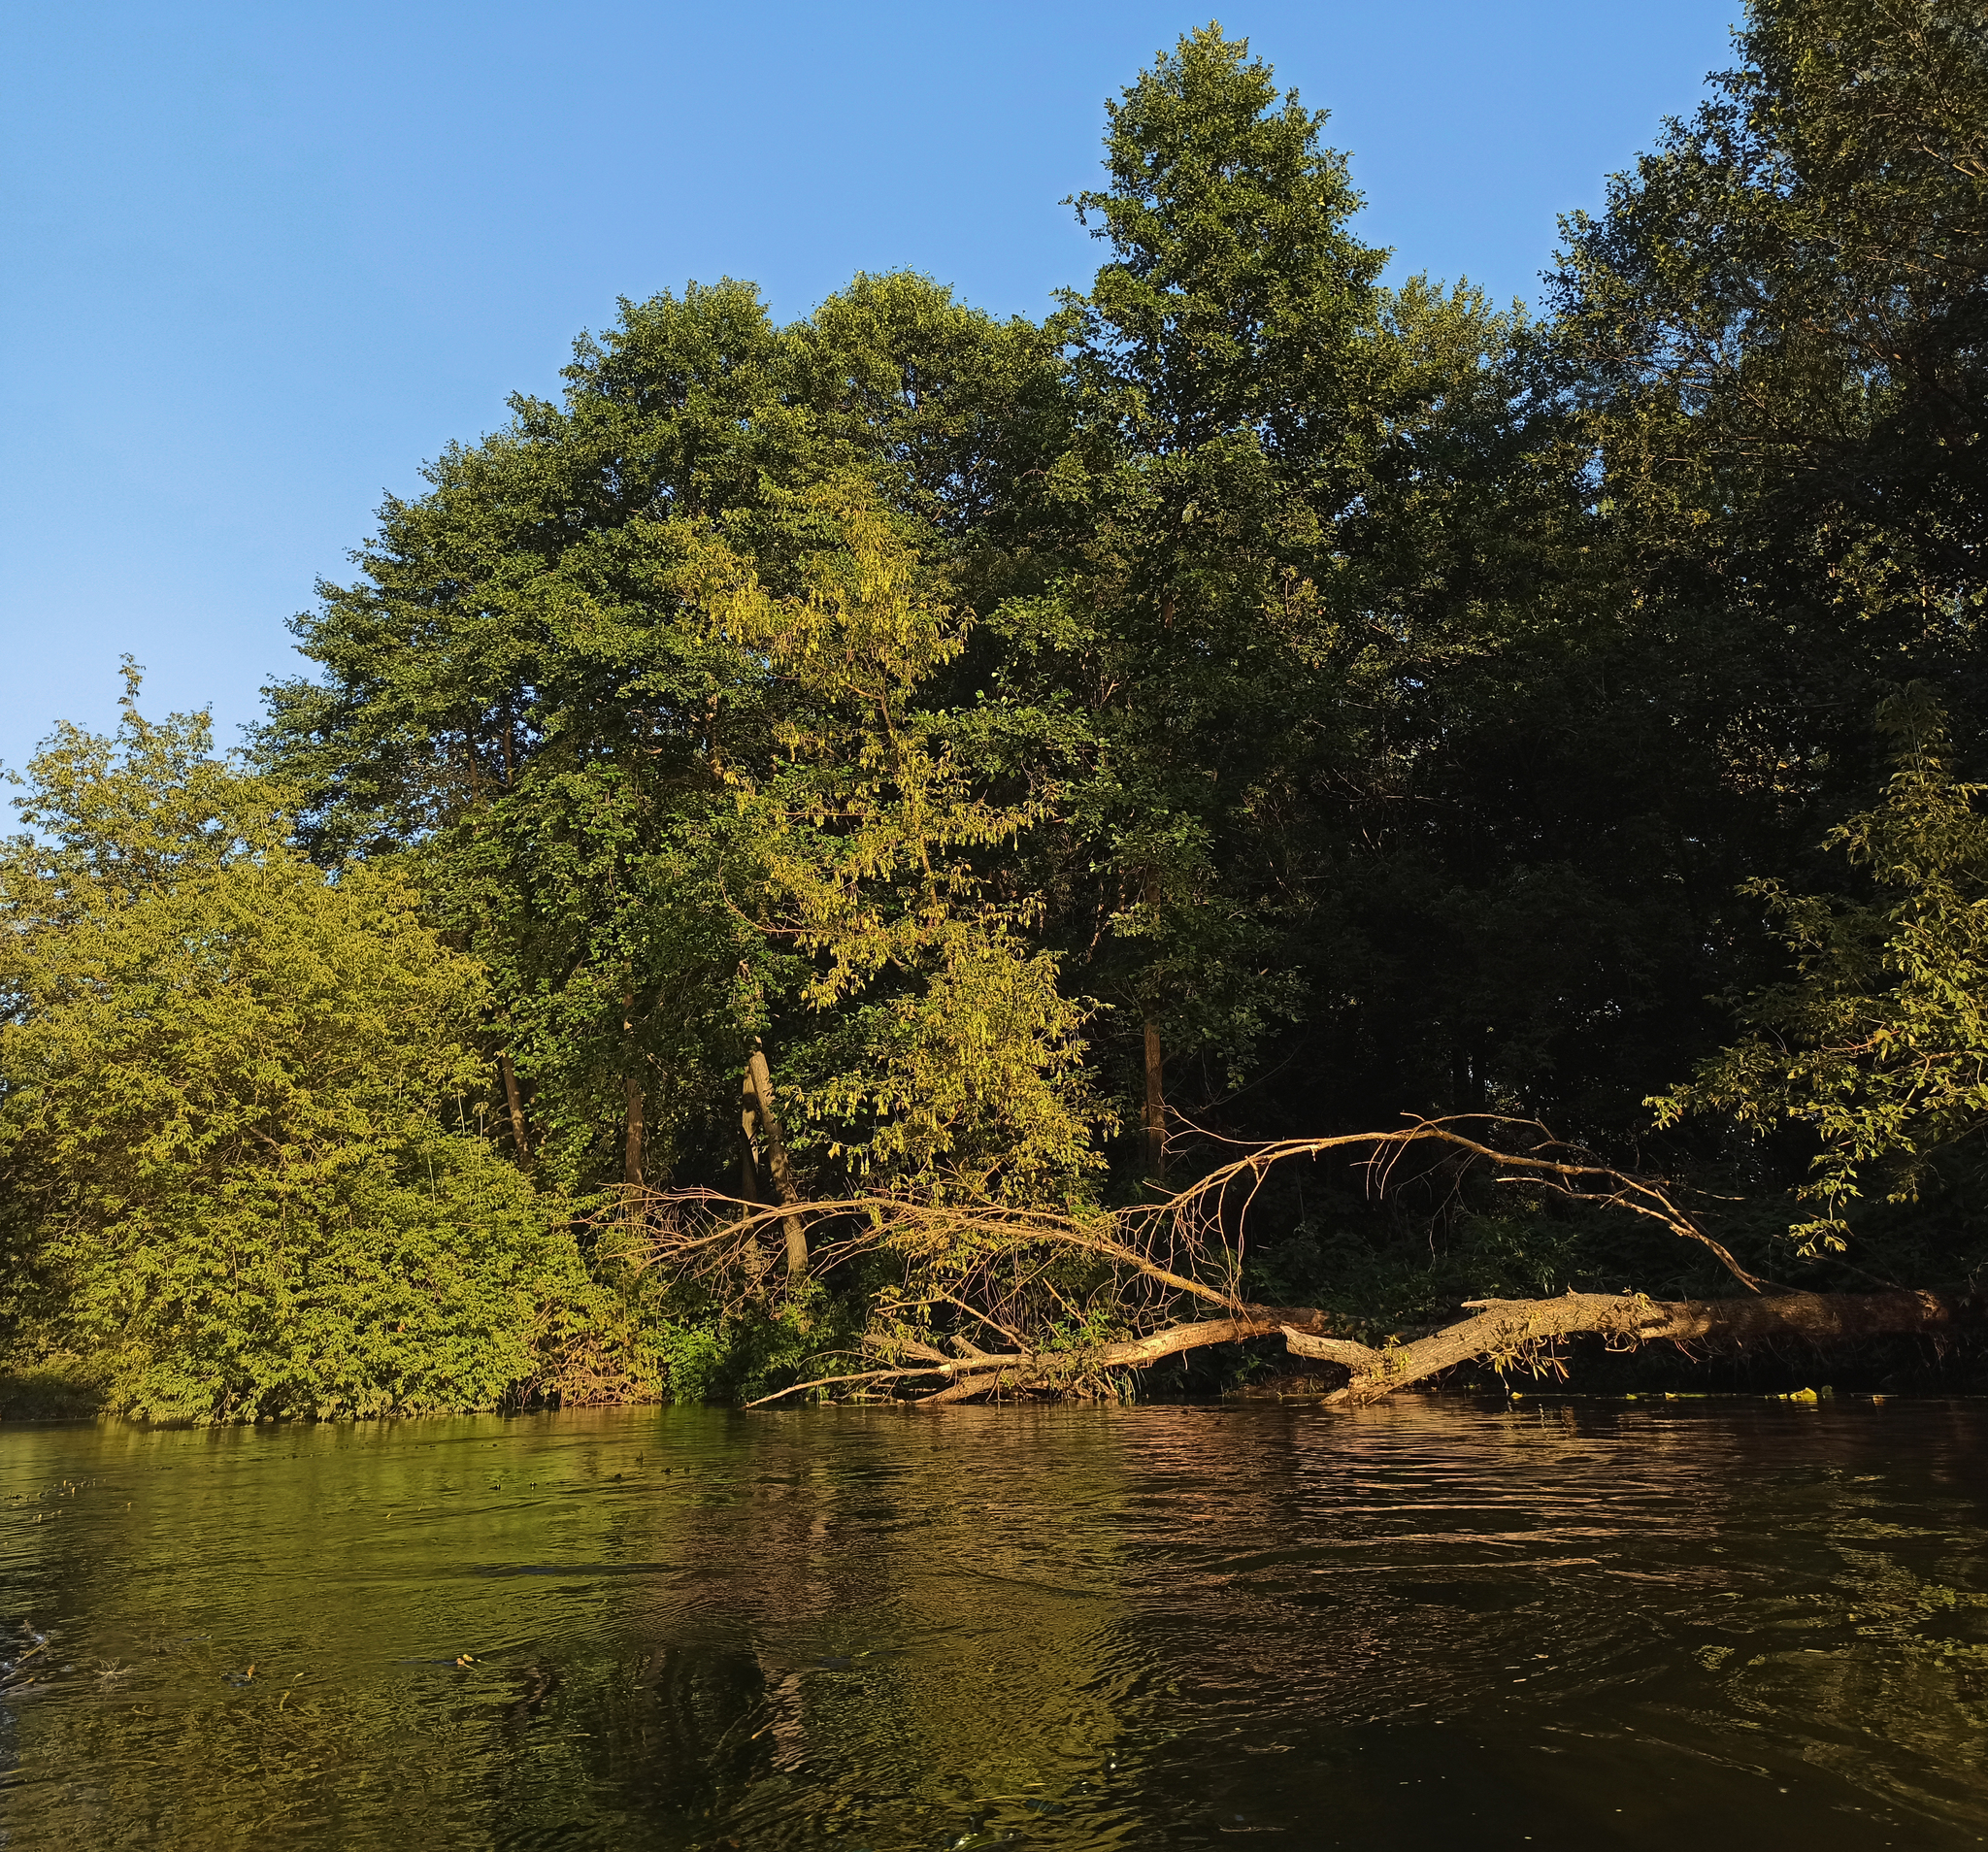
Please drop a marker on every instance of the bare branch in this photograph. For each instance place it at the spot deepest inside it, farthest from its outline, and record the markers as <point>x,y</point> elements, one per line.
<point>865,1375</point>
<point>1147,1268</point>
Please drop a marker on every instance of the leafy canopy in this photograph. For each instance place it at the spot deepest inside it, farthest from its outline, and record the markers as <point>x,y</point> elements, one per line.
<point>955,1064</point>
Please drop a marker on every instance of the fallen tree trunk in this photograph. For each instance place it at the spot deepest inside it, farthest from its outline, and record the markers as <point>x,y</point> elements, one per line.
<point>1519,1331</point>
<point>1157,1257</point>
<point>1505,1333</point>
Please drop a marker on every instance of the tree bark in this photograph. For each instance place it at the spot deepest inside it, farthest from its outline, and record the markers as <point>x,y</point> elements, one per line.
<point>515,1100</point>
<point>758,1262</point>
<point>748,1158</point>
<point>1505,1331</point>
<point>986,1372</point>
<point>1154,1118</point>
<point>759,1079</point>
<point>631,1157</point>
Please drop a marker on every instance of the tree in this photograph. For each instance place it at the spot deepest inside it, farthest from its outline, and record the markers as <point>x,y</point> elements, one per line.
<point>236,1166</point>
<point>1315,527</point>
<point>1255,699</point>
<point>954,1063</point>
<point>522,695</point>
<point>1769,348</point>
<point>1214,374</point>
<point>1776,334</point>
<point>1879,1042</point>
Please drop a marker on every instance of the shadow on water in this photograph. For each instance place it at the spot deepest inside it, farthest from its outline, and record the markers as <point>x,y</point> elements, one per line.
<point>1431,1623</point>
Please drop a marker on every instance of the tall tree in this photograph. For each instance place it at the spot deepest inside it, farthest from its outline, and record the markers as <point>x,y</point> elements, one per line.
<point>522,694</point>
<point>1222,374</point>
<point>1777,331</point>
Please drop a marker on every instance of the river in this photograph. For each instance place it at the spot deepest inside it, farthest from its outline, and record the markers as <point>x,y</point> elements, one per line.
<point>1435,1623</point>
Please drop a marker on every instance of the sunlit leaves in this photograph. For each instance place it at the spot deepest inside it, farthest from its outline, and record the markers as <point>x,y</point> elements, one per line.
<point>230,1108</point>
<point>954,1062</point>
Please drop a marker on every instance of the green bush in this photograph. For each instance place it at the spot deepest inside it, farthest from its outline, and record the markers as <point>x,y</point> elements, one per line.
<point>224,1087</point>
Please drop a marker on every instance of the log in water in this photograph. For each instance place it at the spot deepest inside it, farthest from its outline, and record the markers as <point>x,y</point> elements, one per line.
<point>1430,1624</point>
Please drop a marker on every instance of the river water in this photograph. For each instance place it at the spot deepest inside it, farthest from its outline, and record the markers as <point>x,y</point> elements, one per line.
<point>1435,1623</point>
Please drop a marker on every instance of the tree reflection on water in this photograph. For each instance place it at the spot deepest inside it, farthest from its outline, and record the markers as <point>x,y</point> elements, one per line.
<point>1056,1627</point>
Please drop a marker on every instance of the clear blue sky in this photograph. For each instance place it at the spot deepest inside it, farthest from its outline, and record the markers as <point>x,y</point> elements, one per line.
<point>260,261</point>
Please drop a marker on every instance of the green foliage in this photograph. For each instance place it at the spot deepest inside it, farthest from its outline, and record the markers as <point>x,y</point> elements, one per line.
<point>1221,371</point>
<point>959,1067</point>
<point>1777,331</point>
<point>1256,693</point>
<point>717,1357</point>
<point>528,696</point>
<point>1880,1042</point>
<point>1233,277</point>
<point>222,1120</point>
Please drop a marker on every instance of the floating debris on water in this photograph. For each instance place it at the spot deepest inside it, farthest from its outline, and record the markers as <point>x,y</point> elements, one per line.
<point>29,1667</point>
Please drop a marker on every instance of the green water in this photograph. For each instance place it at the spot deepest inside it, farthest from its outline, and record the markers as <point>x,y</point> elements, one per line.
<point>1431,1624</point>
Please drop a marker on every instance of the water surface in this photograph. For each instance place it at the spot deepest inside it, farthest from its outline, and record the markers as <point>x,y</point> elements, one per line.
<point>1434,1623</point>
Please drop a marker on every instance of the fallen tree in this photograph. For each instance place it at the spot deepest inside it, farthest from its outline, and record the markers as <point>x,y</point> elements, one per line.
<point>1525,1332</point>
<point>1506,1334</point>
<point>1009,1271</point>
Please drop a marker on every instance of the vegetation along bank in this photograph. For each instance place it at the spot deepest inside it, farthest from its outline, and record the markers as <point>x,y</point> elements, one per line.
<point>1262,817</point>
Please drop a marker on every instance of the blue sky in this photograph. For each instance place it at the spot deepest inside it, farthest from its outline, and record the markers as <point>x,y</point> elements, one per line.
<point>261,261</point>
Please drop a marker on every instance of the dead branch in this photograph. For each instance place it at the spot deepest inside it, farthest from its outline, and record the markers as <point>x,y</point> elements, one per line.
<point>864,1376</point>
<point>1006,1268</point>
<point>1506,1334</point>
<point>1031,1372</point>
<point>1567,1169</point>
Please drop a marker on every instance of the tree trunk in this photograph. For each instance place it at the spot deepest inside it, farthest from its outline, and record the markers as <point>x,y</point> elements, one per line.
<point>759,1079</point>
<point>1154,1118</point>
<point>631,1157</point>
<point>758,1262</point>
<point>748,1158</point>
<point>1515,1329</point>
<point>1466,1076</point>
<point>985,1372</point>
<point>515,1100</point>
<point>1156,1106</point>
<point>1506,1331</point>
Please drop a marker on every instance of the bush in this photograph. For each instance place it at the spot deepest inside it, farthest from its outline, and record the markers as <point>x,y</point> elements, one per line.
<point>239,1175</point>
